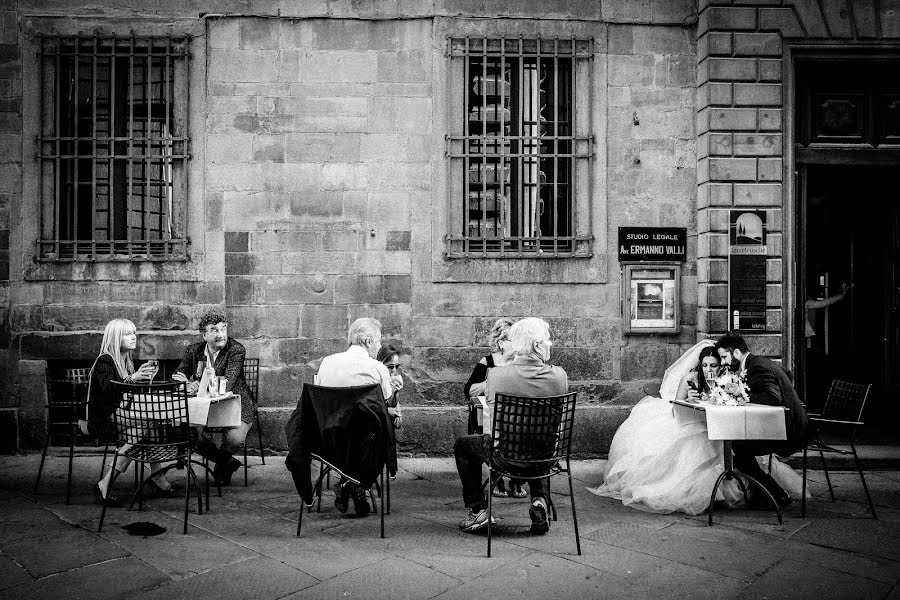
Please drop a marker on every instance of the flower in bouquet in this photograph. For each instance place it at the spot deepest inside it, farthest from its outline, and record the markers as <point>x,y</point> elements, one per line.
<point>729,389</point>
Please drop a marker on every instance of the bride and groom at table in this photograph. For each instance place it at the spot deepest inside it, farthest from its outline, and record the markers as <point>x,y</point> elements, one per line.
<point>659,464</point>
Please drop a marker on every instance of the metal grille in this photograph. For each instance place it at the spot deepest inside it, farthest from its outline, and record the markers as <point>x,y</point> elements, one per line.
<point>518,152</point>
<point>113,148</point>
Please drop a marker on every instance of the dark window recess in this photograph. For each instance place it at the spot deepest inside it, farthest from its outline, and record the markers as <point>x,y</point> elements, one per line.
<point>113,148</point>
<point>517,155</point>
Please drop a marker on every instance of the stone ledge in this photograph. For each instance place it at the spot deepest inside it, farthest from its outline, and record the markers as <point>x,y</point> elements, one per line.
<point>433,430</point>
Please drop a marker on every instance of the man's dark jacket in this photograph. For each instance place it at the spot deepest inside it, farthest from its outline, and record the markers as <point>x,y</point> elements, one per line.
<point>230,363</point>
<point>769,384</point>
<point>349,427</point>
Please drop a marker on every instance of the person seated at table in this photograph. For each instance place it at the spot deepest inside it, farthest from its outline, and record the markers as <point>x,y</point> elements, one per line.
<point>114,363</point>
<point>390,358</point>
<point>659,464</point>
<point>530,375</point>
<point>768,384</point>
<point>355,367</point>
<point>226,357</point>
<point>501,354</point>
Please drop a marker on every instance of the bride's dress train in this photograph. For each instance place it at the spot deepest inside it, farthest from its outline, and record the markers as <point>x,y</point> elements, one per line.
<point>662,465</point>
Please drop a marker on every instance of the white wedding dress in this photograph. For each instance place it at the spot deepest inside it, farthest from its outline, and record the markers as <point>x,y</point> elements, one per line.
<point>660,465</point>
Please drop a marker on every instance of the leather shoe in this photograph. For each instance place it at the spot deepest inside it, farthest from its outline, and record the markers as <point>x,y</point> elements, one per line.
<point>223,472</point>
<point>341,497</point>
<point>360,502</point>
<point>109,500</point>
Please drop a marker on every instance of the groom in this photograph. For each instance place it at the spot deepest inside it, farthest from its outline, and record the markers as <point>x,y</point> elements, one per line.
<point>768,384</point>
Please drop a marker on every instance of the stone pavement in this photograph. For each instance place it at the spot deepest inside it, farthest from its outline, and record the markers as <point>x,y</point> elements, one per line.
<point>245,547</point>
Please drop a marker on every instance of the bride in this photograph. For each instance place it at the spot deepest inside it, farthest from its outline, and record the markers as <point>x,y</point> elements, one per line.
<point>661,465</point>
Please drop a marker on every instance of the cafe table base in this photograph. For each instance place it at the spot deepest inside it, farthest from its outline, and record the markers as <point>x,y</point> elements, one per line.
<point>730,474</point>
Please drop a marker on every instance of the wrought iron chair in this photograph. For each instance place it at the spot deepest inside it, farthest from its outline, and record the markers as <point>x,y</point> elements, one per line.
<point>153,426</point>
<point>532,440</point>
<point>335,424</point>
<point>251,375</point>
<point>842,410</point>
<point>66,400</point>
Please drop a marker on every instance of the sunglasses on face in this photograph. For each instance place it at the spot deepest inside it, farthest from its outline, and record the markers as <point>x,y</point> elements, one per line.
<point>393,367</point>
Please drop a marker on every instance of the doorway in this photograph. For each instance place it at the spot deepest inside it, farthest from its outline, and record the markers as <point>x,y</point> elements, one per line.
<point>851,235</point>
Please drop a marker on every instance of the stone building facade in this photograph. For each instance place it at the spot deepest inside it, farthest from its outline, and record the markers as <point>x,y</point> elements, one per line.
<point>318,189</point>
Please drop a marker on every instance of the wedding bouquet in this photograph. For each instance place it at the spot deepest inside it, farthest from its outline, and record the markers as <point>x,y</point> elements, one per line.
<point>729,389</point>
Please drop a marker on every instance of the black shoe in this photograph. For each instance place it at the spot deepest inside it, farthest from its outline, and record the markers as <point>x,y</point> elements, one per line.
<point>109,500</point>
<point>223,472</point>
<point>538,513</point>
<point>360,502</point>
<point>341,497</point>
<point>159,492</point>
<point>759,501</point>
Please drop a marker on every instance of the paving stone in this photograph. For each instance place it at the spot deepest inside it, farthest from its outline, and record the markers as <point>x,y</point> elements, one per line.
<point>12,573</point>
<point>73,547</point>
<point>537,575</point>
<point>257,578</point>
<point>393,578</point>
<point>116,579</point>
<point>863,536</point>
<point>782,581</point>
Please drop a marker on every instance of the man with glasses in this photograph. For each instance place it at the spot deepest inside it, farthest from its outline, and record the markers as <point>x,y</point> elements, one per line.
<point>226,357</point>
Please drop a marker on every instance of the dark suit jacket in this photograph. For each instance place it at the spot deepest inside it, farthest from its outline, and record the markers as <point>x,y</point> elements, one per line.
<point>230,363</point>
<point>349,427</point>
<point>769,384</point>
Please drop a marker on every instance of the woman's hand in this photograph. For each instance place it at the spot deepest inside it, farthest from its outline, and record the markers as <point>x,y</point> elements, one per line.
<point>692,394</point>
<point>477,389</point>
<point>396,382</point>
<point>144,373</point>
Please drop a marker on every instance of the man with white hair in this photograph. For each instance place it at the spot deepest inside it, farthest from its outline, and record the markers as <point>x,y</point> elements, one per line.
<point>354,367</point>
<point>528,375</point>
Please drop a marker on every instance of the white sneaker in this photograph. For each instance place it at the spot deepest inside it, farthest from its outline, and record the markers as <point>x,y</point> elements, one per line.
<point>475,521</point>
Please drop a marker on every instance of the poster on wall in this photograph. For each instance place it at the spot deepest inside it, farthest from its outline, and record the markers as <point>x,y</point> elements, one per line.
<point>747,270</point>
<point>651,298</point>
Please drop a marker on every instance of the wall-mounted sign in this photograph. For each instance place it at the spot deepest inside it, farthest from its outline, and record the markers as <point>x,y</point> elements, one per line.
<point>668,244</point>
<point>747,270</point>
<point>652,298</point>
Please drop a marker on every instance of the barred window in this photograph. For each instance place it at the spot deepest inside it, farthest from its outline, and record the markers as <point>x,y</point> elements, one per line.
<point>516,164</point>
<point>113,148</point>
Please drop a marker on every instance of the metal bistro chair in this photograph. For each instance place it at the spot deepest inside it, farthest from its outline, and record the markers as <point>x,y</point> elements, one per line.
<point>532,440</point>
<point>152,425</point>
<point>66,400</point>
<point>251,375</point>
<point>332,421</point>
<point>843,409</point>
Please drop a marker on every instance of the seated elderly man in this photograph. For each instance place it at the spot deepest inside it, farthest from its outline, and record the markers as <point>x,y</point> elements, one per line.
<point>226,357</point>
<point>527,375</point>
<point>357,366</point>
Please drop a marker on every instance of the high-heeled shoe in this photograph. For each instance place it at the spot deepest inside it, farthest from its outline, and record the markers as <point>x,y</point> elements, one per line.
<point>110,500</point>
<point>161,492</point>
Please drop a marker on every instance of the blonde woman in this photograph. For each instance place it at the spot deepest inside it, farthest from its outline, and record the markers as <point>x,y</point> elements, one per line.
<point>115,364</point>
<point>501,354</point>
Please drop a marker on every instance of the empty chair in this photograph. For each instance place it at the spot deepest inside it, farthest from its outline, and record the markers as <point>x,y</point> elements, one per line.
<point>842,413</point>
<point>66,399</point>
<point>152,426</point>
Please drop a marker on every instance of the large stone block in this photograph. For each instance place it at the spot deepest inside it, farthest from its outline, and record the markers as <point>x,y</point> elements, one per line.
<point>757,144</point>
<point>397,289</point>
<point>757,94</point>
<point>588,363</point>
<point>32,401</point>
<point>404,67</point>
<point>730,18</point>
<point>757,44</point>
<point>304,351</point>
<point>359,289</point>
<point>630,70</point>
<point>395,320</point>
<point>733,119</point>
<point>281,387</point>
<point>769,169</point>
<point>324,321</point>
<point>9,430</point>
<point>339,66</point>
<point>732,69</point>
<point>732,169</point>
<point>757,194</point>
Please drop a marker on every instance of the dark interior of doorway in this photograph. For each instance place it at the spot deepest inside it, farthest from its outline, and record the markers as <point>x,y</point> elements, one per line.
<point>851,216</point>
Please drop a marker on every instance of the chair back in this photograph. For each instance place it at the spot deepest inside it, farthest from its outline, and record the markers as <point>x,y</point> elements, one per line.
<point>845,400</point>
<point>152,414</point>
<point>533,433</point>
<point>251,376</point>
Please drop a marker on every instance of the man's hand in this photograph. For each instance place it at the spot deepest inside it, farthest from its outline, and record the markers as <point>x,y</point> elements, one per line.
<point>477,389</point>
<point>193,387</point>
<point>179,376</point>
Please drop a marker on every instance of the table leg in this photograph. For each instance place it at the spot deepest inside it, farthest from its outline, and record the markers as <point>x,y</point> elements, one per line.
<point>728,474</point>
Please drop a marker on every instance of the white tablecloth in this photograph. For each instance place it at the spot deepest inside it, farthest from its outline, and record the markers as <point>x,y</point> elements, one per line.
<point>745,422</point>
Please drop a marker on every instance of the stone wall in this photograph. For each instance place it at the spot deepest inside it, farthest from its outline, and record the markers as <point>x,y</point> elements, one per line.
<point>318,195</point>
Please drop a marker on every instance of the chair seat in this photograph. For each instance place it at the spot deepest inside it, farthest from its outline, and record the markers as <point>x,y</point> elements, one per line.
<point>156,453</point>
<point>819,446</point>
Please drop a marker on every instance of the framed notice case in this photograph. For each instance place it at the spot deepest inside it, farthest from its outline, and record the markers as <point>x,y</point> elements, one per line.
<point>652,298</point>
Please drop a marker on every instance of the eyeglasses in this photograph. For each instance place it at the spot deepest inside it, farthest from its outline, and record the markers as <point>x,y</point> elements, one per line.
<point>393,367</point>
